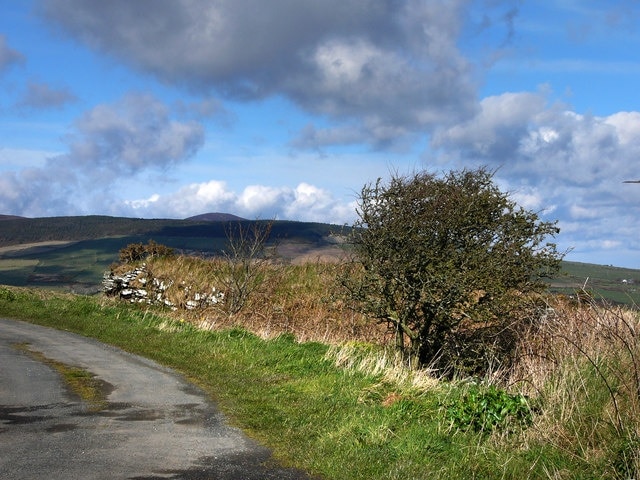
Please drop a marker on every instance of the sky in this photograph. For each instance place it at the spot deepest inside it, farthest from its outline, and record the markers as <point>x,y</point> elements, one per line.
<point>285,109</point>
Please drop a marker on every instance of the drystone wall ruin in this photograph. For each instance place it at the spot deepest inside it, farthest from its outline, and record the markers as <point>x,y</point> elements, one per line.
<point>138,286</point>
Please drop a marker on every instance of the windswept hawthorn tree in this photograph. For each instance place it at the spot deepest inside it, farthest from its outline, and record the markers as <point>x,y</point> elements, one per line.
<point>449,264</point>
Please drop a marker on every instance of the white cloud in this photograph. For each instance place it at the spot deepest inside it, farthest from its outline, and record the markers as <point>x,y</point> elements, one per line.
<point>497,129</point>
<point>530,198</point>
<point>304,202</point>
<point>569,166</point>
<point>580,212</point>
<point>259,198</point>
<point>109,142</point>
<point>384,75</point>
<point>143,204</point>
<point>133,134</point>
<point>610,244</point>
<point>318,205</point>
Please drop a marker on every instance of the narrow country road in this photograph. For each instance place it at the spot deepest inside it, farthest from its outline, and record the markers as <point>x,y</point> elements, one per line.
<point>153,424</point>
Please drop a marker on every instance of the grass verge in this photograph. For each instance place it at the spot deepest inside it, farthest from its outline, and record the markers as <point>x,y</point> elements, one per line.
<point>315,408</point>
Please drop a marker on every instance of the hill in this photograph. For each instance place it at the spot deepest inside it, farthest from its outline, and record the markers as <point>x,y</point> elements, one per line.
<point>216,217</point>
<point>73,252</point>
<point>19,231</point>
<point>615,284</point>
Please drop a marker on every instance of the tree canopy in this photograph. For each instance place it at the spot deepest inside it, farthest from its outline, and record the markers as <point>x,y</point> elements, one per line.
<point>448,262</point>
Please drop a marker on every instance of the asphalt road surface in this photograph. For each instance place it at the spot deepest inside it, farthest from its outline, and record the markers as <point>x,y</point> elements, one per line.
<point>154,424</point>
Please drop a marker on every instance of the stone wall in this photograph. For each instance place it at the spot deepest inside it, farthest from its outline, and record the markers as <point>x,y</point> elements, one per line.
<point>139,286</point>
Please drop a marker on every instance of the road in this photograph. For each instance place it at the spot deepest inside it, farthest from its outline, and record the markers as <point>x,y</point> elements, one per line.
<point>153,425</point>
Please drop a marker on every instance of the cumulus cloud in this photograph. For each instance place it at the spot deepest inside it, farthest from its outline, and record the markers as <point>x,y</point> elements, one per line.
<point>303,202</point>
<point>134,134</point>
<point>576,162</point>
<point>391,67</point>
<point>385,73</point>
<point>8,56</point>
<point>109,142</point>
<point>521,133</point>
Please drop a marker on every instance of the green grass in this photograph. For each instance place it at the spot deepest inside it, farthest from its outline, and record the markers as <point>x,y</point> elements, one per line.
<point>330,421</point>
<point>603,281</point>
<point>81,263</point>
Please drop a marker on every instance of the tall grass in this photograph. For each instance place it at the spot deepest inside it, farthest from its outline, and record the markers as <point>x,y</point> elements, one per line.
<point>351,409</point>
<point>583,364</point>
<point>290,299</point>
<point>579,364</point>
<point>580,361</point>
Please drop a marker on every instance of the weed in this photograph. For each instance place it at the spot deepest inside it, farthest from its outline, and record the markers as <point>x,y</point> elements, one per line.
<point>484,409</point>
<point>7,295</point>
<point>583,362</point>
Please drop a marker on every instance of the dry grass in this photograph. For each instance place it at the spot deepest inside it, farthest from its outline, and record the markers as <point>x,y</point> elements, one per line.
<point>580,363</point>
<point>583,364</point>
<point>296,299</point>
<point>383,363</point>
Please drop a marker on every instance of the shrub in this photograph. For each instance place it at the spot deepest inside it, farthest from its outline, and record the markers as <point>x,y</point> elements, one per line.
<point>449,265</point>
<point>7,295</point>
<point>135,252</point>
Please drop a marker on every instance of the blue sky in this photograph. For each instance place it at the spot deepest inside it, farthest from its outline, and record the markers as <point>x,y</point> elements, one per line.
<point>279,109</point>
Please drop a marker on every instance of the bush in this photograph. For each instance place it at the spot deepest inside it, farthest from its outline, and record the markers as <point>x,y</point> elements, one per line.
<point>450,265</point>
<point>7,295</point>
<point>136,252</point>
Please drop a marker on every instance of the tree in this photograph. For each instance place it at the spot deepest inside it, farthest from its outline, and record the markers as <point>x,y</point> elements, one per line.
<point>448,263</point>
<point>247,259</point>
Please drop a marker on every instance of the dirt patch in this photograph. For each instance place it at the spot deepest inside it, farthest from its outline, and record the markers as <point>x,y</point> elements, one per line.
<point>299,253</point>
<point>33,248</point>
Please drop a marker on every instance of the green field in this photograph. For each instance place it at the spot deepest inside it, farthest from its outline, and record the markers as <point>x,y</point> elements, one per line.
<point>613,284</point>
<point>94,243</point>
<point>79,267</point>
<point>72,253</point>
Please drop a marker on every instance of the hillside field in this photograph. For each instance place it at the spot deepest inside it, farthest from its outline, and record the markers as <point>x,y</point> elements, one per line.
<point>72,253</point>
<point>614,284</point>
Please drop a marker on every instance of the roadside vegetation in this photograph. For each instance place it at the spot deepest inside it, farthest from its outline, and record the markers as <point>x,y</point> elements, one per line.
<point>540,386</point>
<point>350,410</point>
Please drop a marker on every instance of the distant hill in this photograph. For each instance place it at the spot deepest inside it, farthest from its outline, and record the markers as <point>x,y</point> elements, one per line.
<point>16,231</point>
<point>216,217</point>
<point>20,231</point>
<point>9,217</point>
<point>72,253</point>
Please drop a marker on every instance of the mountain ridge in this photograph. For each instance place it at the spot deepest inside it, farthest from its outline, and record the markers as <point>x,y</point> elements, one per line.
<point>216,217</point>
<point>23,230</point>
